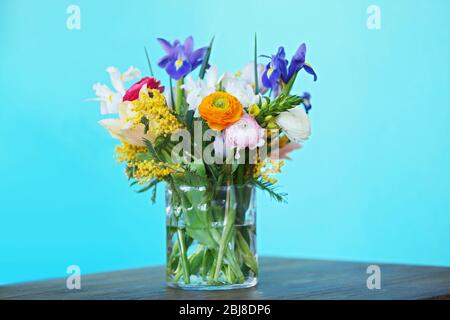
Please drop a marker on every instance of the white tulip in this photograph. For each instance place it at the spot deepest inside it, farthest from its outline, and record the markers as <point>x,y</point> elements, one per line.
<point>295,123</point>
<point>122,128</point>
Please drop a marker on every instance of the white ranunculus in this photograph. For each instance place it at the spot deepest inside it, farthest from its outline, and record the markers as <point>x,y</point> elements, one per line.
<point>110,100</point>
<point>295,123</point>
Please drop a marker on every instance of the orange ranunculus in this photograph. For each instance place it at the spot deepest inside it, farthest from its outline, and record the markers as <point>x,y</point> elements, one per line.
<point>220,110</point>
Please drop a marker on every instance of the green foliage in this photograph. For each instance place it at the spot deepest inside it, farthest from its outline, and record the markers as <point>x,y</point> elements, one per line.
<point>205,63</point>
<point>192,178</point>
<point>256,65</point>
<point>273,108</point>
<point>270,188</point>
<point>146,124</point>
<point>189,120</point>
<point>148,62</point>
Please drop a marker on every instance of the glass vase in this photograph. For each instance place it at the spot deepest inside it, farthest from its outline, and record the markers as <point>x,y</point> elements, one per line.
<point>211,237</point>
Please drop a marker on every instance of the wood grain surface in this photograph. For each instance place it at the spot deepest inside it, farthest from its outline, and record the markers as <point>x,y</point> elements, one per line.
<point>280,279</point>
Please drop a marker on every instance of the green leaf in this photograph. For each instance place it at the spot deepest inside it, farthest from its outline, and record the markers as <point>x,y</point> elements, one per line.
<point>247,254</point>
<point>146,124</point>
<point>151,149</point>
<point>271,189</point>
<point>288,86</point>
<point>144,156</point>
<point>148,61</point>
<point>197,218</point>
<point>189,119</point>
<point>196,259</point>
<point>153,198</point>
<point>206,60</point>
<point>151,184</point>
<point>191,178</point>
<point>256,65</point>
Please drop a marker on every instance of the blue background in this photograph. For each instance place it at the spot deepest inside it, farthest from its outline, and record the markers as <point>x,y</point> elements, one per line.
<point>372,184</point>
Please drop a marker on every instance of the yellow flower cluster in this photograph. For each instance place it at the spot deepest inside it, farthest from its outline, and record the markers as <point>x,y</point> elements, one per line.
<point>148,170</point>
<point>154,108</point>
<point>127,152</point>
<point>264,169</point>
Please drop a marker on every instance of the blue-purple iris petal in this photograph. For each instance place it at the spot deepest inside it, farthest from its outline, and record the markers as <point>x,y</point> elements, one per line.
<point>281,54</point>
<point>197,57</point>
<point>310,70</point>
<point>162,63</point>
<point>274,77</point>
<point>178,72</point>
<point>168,48</point>
<point>297,62</point>
<point>307,101</point>
<point>188,45</point>
<point>175,52</point>
<point>265,80</point>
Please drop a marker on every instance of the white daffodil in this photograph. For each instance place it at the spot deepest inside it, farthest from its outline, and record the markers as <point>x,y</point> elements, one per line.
<point>241,90</point>
<point>248,75</point>
<point>295,123</point>
<point>196,90</point>
<point>110,100</point>
<point>239,85</point>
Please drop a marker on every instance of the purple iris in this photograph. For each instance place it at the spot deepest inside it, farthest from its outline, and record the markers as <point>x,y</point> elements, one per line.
<point>275,70</point>
<point>180,59</point>
<point>278,67</point>
<point>307,101</point>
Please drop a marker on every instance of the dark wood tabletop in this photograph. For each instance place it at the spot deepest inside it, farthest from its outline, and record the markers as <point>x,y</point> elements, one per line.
<point>280,279</point>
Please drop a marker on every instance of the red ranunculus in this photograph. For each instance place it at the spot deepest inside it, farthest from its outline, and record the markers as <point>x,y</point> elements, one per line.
<point>133,93</point>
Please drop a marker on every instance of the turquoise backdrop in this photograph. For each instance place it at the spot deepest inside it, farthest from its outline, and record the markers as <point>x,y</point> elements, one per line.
<point>372,184</point>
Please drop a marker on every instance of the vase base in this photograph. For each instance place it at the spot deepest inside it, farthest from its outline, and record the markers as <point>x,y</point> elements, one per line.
<point>207,287</point>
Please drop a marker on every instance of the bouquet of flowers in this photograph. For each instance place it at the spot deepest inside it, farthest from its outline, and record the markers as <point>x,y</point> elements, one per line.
<point>212,140</point>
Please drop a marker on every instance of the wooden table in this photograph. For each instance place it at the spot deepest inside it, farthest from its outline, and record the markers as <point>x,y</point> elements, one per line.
<point>280,279</point>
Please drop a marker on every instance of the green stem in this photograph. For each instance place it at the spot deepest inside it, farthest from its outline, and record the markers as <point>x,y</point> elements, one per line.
<point>230,217</point>
<point>288,86</point>
<point>183,254</point>
<point>179,102</point>
<point>249,257</point>
<point>173,254</point>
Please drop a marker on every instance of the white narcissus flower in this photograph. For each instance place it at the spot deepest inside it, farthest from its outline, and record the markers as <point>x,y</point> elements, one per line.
<point>242,91</point>
<point>110,100</point>
<point>248,75</point>
<point>295,123</point>
<point>196,90</point>
<point>240,85</point>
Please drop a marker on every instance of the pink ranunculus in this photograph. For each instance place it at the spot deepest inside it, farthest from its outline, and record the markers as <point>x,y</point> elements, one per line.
<point>246,133</point>
<point>133,93</point>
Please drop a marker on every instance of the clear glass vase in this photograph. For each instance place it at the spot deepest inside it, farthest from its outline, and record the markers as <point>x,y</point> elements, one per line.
<point>211,237</point>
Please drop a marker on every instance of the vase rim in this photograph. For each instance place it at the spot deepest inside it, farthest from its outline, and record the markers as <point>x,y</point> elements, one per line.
<point>186,187</point>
